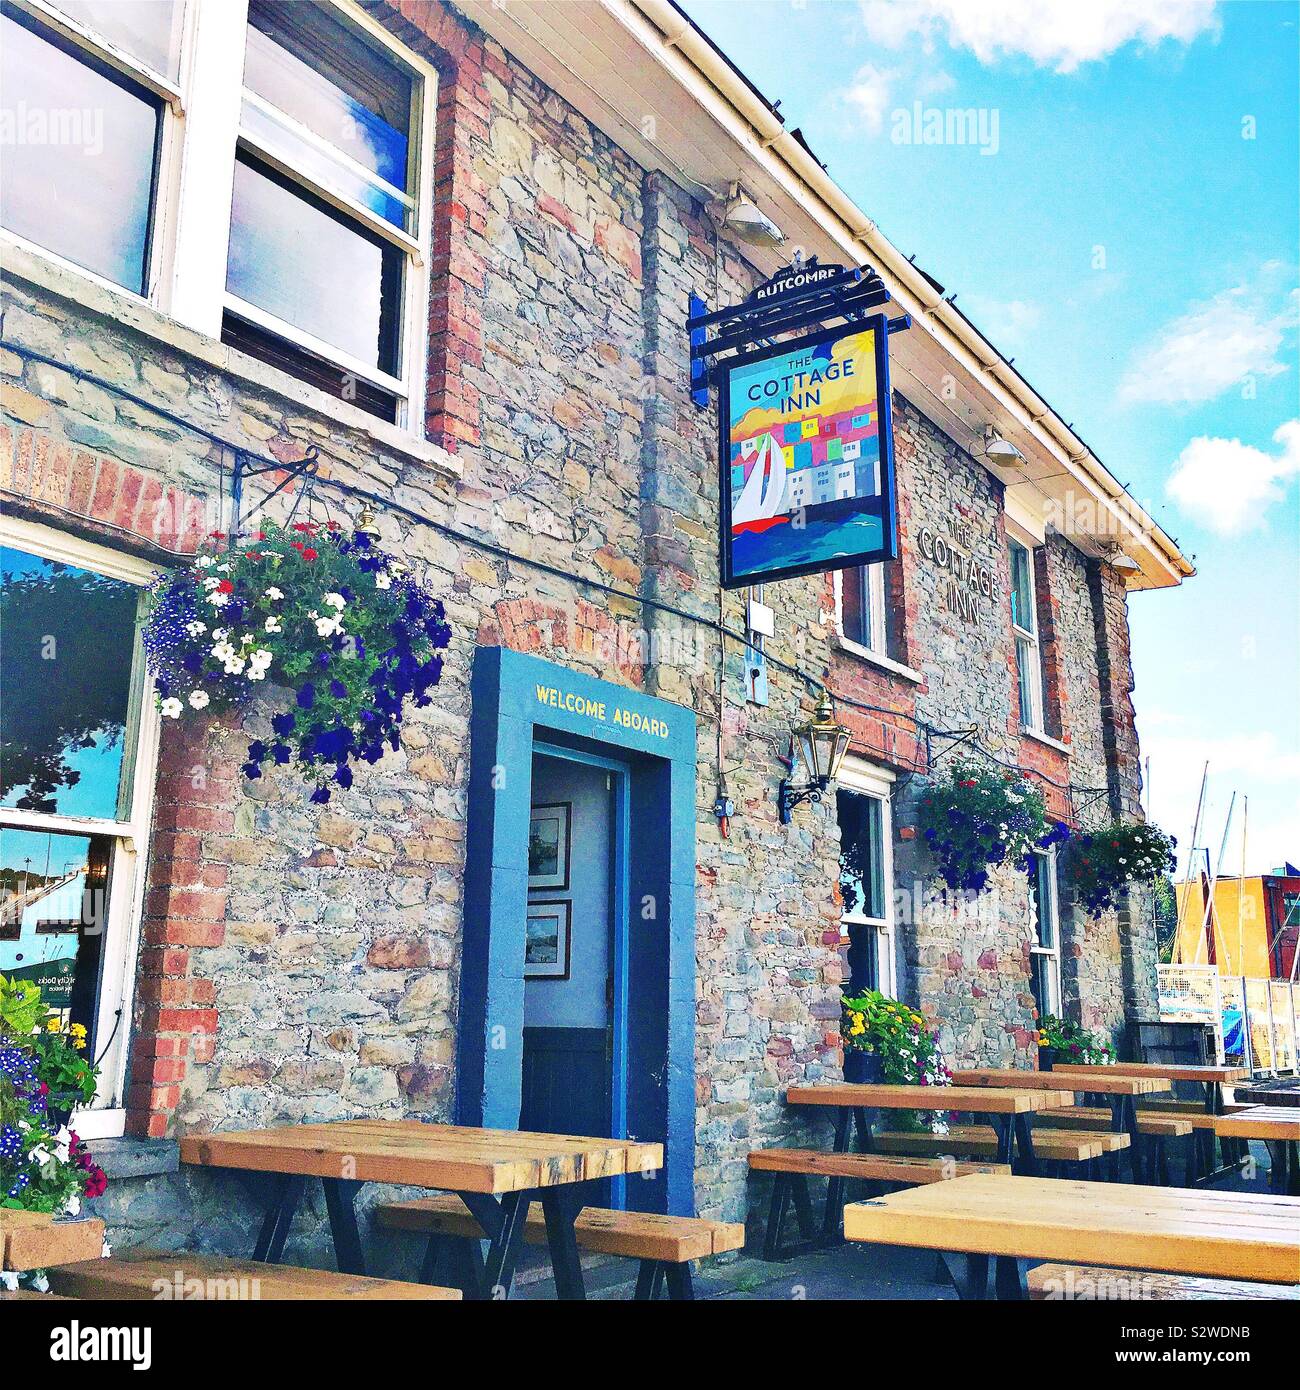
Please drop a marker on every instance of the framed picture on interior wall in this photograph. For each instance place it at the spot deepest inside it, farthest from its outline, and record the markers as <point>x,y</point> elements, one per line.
<point>546,948</point>
<point>548,847</point>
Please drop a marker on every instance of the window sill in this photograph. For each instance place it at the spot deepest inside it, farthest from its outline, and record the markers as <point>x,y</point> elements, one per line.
<point>1047,739</point>
<point>885,663</point>
<point>131,313</point>
<point>130,1157</point>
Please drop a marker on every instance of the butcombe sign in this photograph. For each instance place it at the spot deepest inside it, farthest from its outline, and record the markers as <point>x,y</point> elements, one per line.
<point>806,454</point>
<point>950,547</point>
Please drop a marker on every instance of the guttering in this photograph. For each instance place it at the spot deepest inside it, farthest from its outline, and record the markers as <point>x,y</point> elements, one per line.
<point>660,23</point>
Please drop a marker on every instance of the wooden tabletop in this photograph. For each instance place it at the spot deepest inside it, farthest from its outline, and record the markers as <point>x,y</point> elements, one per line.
<point>1011,1077</point>
<point>449,1157</point>
<point>1171,1071</point>
<point>975,1100</point>
<point>1226,1235</point>
<point>35,1240</point>
<point>1275,1122</point>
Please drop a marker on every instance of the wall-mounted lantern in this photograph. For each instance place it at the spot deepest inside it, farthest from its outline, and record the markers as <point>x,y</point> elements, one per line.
<point>819,749</point>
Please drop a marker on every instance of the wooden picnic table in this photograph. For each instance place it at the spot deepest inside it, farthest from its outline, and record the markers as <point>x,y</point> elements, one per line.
<point>36,1240</point>
<point>1279,1127</point>
<point>1120,1093</point>
<point>497,1173</point>
<point>1212,1079</point>
<point>1008,1109</point>
<point>980,1218</point>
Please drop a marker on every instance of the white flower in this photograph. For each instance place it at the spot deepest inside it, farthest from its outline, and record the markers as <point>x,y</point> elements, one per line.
<point>195,628</point>
<point>274,593</point>
<point>222,650</point>
<point>171,708</point>
<point>199,698</point>
<point>271,625</point>
<point>9,1280</point>
<point>219,634</point>
<point>205,562</point>
<point>382,581</point>
<point>73,1207</point>
<point>246,640</point>
<point>336,601</point>
<point>327,627</point>
<point>218,600</point>
<point>211,583</point>
<point>224,569</point>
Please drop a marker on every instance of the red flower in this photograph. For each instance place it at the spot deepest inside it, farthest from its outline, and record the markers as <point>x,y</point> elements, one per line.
<point>261,536</point>
<point>250,555</point>
<point>307,527</point>
<point>333,525</point>
<point>225,587</point>
<point>216,535</point>
<point>297,545</point>
<point>309,554</point>
<point>96,1183</point>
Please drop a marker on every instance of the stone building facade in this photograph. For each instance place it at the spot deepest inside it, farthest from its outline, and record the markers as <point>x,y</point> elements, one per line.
<point>292,962</point>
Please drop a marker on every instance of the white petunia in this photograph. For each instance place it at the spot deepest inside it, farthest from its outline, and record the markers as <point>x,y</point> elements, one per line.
<point>196,628</point>
<point>327,627</point>
<point>218,600</point>
<point>272,625</point>
<point>274,593</point>
<point>336,601</point>
<point>219,634</point>
<point>199,699</point>
<point>382,581</point>
<point>171,708</point>
<point>205,562</point>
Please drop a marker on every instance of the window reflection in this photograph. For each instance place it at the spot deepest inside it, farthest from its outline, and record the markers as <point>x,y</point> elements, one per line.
<point>79,163</point>
<point>65,668</point>
<point>53,903</point>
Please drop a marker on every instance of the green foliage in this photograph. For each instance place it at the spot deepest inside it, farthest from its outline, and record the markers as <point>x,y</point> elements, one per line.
<point>1071,1042</point>
<point>21,1009</point>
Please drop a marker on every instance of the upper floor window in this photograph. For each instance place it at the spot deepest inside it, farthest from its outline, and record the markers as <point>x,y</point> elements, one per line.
<point>1024,626</point>
<point>81,152</point>
<point>277,197</point>
<point>863,611</point>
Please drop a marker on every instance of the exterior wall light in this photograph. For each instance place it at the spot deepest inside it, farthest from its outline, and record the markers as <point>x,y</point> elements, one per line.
<point>819,749</point>
<point>747,222</point>
<point>998,450</point>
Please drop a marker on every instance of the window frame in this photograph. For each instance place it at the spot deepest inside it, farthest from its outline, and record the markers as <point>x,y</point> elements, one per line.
<point>1051,954</point>
<point>861,778</point>
<point>200,138</point>
<point>1027,640</point>
<point>129,837</point>
<point>873,576</point>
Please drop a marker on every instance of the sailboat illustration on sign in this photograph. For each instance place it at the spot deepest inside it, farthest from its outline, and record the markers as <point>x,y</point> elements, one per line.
<point>762,500</point>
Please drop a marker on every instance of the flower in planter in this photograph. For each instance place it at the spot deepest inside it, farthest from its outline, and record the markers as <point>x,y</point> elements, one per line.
<point>1073,1042</point>
<point>319,616</point>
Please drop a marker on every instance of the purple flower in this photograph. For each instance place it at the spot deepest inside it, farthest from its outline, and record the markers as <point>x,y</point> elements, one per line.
<point>307,696</point>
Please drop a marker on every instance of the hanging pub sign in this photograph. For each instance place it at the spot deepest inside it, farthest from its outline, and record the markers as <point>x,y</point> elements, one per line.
<point>804,438</point>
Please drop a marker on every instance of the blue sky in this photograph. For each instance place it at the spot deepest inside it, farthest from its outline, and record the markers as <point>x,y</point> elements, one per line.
<point>1131,238</point>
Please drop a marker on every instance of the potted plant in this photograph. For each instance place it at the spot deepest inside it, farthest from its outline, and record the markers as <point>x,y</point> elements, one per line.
<point>977,816</point>
<point>329,625</point>
<point>44,1166</point>
<point>885,1040</point>
<point>1059,1040</point>
<point>1102,863</point>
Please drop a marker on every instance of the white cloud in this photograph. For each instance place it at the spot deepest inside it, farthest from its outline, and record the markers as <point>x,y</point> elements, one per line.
<point>868,95</point>
<point>1236,335</point>
<point>1052,33</point>
<point>1227,485</point>
<point>1007,322</point>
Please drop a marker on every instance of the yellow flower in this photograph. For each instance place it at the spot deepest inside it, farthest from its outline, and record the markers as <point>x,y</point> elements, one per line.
<point>78,1030</point>
<point>53,1026</point>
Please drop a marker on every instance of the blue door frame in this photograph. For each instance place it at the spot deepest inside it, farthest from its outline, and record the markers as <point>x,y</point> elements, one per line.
<point>521,703</point>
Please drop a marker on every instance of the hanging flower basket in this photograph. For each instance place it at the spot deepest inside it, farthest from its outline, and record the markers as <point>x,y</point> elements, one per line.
<point>977,816</point>
<point>319,615</point>
<point>1104,862</point>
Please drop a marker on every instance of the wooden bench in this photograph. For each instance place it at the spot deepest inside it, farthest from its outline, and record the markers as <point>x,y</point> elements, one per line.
<point>665,1246</point>
<point>1186,1110</point>
<point>1056,1146</point>
<point>1151,1162</point>
<point>1089,1283</point>
<point>794,1167</point>
<point>153,1274</point>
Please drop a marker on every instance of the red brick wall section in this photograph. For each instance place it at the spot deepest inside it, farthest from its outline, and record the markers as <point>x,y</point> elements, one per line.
<point>175,1020</point>
<point>55,479</point>
<point>460,209</point>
